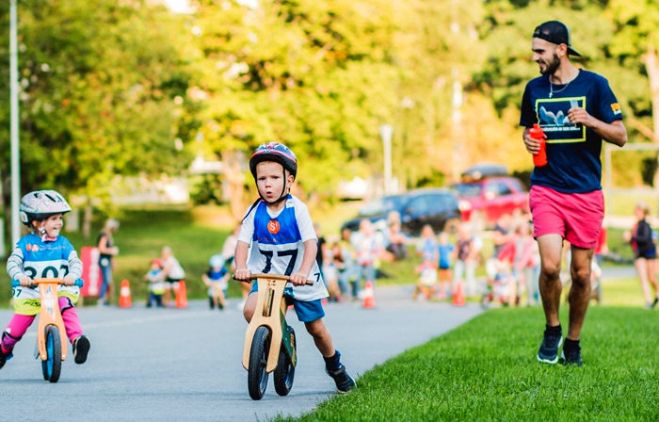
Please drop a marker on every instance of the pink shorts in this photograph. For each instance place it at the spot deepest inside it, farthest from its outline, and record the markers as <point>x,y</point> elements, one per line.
<point>577,217</point>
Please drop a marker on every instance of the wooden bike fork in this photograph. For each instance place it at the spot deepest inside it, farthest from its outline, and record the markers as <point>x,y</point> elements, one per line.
<point>50,315</point>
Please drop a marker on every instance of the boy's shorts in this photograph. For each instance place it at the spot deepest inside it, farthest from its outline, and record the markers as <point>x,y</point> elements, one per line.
<point>306,311</point>
<point>577,217</point>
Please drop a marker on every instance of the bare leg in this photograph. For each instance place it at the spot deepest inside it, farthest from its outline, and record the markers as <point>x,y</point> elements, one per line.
<point>550,246</point>
<point>641,265</point>
<point>652,269</point>
<point>250,306</point>
<point>321,337</point>
<point>579,296</point>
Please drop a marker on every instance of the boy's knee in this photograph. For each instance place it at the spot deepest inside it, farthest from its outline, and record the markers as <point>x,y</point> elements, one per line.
<point>315,328</point>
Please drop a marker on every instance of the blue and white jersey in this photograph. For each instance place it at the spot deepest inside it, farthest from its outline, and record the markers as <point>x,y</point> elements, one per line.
<point>277,244</point>
<point>38,258</point>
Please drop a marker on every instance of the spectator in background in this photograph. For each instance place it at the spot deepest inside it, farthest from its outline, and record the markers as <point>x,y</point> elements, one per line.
<point>347,267</point>
<point>465,253</point>
<point>107,251</point>
<point>397,240</point>
<point>366,252</point>
<point>527,261</point>
<point>446,252</point>
<point>645,253</point>
<point>321,252</point>
<point>156,287</point>
<point>172,273</point>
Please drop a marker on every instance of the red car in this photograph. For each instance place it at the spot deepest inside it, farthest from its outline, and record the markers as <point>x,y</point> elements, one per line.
<point>486,199</point>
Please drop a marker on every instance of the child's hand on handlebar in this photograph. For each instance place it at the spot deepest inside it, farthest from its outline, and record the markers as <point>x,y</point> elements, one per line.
<point>26,281</point>
<point>242,274</point>
<point>69,281</point>
<point>298,279</point>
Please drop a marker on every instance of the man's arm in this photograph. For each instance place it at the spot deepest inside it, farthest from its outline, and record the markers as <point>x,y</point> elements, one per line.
<point>613,132</point>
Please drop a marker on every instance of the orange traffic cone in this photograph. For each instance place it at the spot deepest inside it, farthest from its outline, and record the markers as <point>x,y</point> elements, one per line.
<point>369,296</point>
<point>125,300</point>
<point>181,295</point>
<point>458,295</point>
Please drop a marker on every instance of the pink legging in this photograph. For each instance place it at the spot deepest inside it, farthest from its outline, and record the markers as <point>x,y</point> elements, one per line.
<point>20,323</point>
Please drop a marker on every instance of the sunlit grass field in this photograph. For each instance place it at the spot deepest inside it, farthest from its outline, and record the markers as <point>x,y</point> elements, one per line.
<point>486,370</point>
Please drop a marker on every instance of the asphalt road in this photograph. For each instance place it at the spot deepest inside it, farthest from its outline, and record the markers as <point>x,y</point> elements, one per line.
<point>185,365</point>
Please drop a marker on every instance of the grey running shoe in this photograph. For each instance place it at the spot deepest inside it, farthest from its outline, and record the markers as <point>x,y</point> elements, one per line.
<point>81,347</point>
<point>548,352</point>
<point>344,382</point>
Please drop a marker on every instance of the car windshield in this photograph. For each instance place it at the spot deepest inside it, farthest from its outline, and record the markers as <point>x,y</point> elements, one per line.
<point>468,190</point>
<point>381,205</point>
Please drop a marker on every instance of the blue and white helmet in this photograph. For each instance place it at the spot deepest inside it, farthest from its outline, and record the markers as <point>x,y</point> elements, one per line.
<point>216,261</point>
<point>41,204</point>
<point>274,151</point>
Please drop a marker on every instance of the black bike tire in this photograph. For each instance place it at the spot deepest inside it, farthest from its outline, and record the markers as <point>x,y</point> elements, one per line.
<point>285,371</point>
<point>257,377</point>
<point>55,354</point>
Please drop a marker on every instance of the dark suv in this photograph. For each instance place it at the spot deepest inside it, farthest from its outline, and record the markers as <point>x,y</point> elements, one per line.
<point>416,208</point>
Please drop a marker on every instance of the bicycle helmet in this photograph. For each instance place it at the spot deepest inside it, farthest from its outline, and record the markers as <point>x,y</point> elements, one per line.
<point>216,261</point>
<point>274,151</point>
<point>41,204</point>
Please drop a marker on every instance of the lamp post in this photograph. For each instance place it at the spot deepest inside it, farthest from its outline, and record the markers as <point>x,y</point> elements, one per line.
<point>386,132</point>
<point>15,157</point>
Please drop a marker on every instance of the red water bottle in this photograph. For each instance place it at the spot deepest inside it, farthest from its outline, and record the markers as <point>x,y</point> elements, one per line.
<point>539,158</point>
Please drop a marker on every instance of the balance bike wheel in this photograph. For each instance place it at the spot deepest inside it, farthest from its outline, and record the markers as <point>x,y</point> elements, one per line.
<point>257,377</point>
<point>285,370</point>
<point>52,366</point>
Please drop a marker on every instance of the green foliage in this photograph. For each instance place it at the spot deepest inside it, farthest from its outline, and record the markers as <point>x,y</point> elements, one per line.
<point>102,88</point>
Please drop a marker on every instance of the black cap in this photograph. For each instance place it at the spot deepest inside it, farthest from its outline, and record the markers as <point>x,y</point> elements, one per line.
<point>555,32</point>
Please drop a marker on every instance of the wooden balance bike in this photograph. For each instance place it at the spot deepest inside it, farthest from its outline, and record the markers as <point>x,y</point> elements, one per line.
<point>51,334</point>
<point>270,343</point>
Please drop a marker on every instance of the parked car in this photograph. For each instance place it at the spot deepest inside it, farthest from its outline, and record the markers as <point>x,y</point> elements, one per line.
<point>484,200</point>
<point>416,208</point>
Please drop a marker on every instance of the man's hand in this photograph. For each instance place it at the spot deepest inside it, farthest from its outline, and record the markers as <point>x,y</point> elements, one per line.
<point>299,279</point>
<point>242,274</point>
<point>532,145</point>
<point>578,115</point>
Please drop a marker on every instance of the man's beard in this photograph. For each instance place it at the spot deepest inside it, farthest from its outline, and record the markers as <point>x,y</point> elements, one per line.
<point>551,66</point>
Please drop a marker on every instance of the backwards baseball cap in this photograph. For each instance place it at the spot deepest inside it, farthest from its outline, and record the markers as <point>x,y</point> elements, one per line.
<point>555,32</point>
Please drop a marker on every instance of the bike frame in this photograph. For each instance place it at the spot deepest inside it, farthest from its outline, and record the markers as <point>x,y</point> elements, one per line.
<point>50,315</point>
<point>270,311</point>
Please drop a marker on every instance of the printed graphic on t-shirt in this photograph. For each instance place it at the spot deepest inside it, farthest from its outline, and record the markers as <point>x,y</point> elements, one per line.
<point>552,116</point>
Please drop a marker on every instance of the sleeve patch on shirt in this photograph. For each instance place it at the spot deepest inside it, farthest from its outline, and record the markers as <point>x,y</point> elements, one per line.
<point>615,107</point>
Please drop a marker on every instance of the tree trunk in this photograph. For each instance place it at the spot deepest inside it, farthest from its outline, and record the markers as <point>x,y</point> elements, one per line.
<point>87,221</point>
<point>652,67</point>
<point>235,181</point>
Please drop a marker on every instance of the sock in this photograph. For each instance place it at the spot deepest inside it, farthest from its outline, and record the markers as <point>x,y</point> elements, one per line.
<point>332,363</point>
<point>571,345</point>
<point>554,330</point>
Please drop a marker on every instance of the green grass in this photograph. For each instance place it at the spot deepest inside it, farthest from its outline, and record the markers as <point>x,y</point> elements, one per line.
<point>486,370</point>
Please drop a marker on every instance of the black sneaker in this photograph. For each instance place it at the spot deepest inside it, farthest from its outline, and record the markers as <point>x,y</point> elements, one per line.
<point>4,357</point>
<point>654,304</point>
<point>81,347</point>
<point>571,357</point>
<point>548,352</point>
<point>344,382</point>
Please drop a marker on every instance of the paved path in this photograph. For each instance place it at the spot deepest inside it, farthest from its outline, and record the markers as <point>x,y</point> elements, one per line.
<point>184,365</point>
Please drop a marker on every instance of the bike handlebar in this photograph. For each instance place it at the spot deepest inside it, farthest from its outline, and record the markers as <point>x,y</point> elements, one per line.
<point>270,276</point>
<point>79,282</point>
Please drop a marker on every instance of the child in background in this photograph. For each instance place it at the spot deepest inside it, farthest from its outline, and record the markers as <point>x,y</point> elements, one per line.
<point>333,261</point>
<point>172,273</point>
<point>43,253</point>
<point>216,279</point>
<point>445,250</point>
<point>427,280</point>
<point>366,252</point>
<point>156,287</point>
